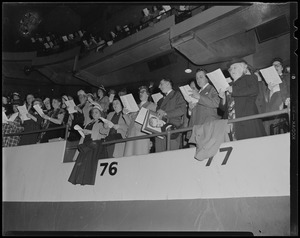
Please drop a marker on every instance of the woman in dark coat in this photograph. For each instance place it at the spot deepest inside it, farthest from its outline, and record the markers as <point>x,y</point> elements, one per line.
<point>241,98</point>
<point>35,123</point>
<point>85,168</point>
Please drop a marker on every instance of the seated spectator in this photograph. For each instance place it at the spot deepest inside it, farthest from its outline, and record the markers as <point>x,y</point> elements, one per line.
<point>90,150</point>
<point>35,123</point>
<point>54,119</point>
<point>12,127</point>
<point>241,99</point>
<point>117,130</point>
<point>138,147</point>
<point>103,100</point>
<point>145,19</point>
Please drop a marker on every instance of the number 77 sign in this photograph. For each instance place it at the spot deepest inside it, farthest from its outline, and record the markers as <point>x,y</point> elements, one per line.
<point>228,152</point>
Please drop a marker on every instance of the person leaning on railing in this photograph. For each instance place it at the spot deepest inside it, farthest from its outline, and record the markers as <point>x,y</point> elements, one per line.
<point>240,98</point>
<point>12,127</point>
<point>54,119</point>
<point>35,123</point>
<point>171,108</point>
<point>120,124</point>
<point>142,146</point>
<point>90,150</point>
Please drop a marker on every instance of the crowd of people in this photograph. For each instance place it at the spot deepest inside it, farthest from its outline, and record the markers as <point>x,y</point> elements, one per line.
<point>103,117</point>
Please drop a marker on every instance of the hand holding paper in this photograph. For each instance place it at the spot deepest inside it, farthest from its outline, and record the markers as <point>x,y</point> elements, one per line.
<point>270,75</point>
<point>71,106</point>
<point>38,109</point>
<point>80,130</point>
<point>109,123</point>
<point>129,102</point>
<point>23,111</point>
<point>187,93</point>
<point>218,79</point>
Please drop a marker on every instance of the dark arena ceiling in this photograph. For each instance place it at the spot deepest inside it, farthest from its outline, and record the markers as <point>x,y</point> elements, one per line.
<point>58,18</point>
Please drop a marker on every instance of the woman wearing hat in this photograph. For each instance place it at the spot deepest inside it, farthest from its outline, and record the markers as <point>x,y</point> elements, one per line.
<point>103,100</point>
<point>138,147</point>
<point>35,123</point>
<point>120,124</point>
<point>90,150</point>
<point>241,101</point>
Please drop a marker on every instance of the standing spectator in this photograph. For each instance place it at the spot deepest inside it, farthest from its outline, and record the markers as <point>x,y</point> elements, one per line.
<point>278,98</point>
<point>35,123</point>
<point>54,119</point>
<point>7,105</point>
<point>12,127</point>
<point>29,100</point>
<point>47,104</point>
<point>262,96</point>
<point>138,147</point>
<point>118,131</point>
<point>76,118</point>
<point>205,109</point>
<point>241,99</point>
<point>103,100</point>
<point>171,109</point>
<point>15,96</point>
<point>122,92</point>
<point>90,150</point>
<point>84,106</point>
<point>111,96</point>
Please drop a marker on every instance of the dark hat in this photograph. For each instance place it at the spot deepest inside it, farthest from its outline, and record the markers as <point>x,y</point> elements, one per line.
<point>102,88</point>
<point>236,60</point>
<point>277,59</point>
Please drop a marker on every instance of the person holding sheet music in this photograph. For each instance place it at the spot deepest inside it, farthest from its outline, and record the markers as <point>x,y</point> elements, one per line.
<point>35,123</point>
<point>84,106</point>
<point>205,109</point>
<point>171,108</point>
<point>29,100</point>
<point>54,119</point>
<point>240,99</point>
<point>120,123</point>
<point>138,147</point>
<point>90,150</point>
<point>278,98</point>
<point>12,127</point>
<point>75,118</point>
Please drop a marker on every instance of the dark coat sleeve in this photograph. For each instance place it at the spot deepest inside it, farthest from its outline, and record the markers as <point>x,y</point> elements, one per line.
<point>180,108</point>
<point>245,86</point>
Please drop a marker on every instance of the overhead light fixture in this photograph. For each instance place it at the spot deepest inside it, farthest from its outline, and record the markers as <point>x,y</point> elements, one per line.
<point>188,70</point>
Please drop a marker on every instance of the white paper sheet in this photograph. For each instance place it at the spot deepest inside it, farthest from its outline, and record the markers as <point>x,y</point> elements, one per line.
<point>270,75</point>
<point>141,116</point>
<point>218,79</point>
<point>39,109</point>
<point>156,97</point>
<point>80,130</point>
<point>4,118</point>
<point>129,102</point>
<point>23,111</point>
<point>110,124</point>
<point>186,91</point>
<point>13,116</point>
<point>71,106</point>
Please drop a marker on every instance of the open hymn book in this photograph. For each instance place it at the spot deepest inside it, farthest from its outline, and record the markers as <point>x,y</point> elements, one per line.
<point>270,75</point>
<point>218,80</point>
<point>129,102</point>
<point>186,91</point>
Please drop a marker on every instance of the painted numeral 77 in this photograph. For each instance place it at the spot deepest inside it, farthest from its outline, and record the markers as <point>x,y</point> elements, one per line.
<point>228,150</point>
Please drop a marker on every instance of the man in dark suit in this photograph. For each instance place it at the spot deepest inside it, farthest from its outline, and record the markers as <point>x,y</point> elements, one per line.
<point>171,109</point>
<point>205,109</point>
